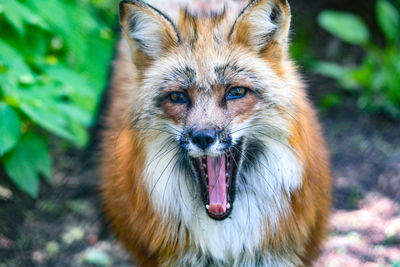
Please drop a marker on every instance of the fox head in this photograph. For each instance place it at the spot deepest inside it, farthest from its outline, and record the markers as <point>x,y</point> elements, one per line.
<point>213,98</point>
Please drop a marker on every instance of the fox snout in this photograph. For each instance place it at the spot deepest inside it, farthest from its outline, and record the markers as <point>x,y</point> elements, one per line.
<point>209,140</point>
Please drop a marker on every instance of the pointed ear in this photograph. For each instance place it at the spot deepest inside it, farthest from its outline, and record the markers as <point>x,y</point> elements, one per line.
<point>146,28</point>
<point>262,24</point>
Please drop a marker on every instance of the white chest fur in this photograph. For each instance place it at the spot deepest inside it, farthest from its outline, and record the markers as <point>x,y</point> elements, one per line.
<point>260,201</point>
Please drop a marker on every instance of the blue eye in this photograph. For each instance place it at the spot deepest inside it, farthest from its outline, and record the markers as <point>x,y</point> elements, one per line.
<point>178,98</point>
<point>236,93</point>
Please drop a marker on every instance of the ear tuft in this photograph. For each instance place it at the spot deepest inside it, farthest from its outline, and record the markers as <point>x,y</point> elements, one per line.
<point>262,22</point>
<point>146,28</point>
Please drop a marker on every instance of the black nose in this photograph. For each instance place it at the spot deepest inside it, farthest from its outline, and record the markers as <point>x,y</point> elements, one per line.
<point>204,138</point>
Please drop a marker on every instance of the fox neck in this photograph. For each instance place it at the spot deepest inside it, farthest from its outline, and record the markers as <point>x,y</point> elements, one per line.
<point>262,200</point>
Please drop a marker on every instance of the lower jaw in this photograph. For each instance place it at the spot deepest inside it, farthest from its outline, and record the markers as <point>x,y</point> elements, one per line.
<point>220,217</point>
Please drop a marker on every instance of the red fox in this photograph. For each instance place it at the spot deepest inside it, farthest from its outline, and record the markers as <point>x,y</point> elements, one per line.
<point>212,154</point>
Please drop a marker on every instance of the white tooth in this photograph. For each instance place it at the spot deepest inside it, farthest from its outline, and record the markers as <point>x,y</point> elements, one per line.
<point>207,207</point>
<point>207,176</point>
<point>204,165</point>
<point>228,206</point>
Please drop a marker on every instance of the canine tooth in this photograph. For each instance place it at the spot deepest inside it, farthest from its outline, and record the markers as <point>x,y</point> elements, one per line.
<point>207,207</point>
<point>228,206</point>
<point>204,165</point>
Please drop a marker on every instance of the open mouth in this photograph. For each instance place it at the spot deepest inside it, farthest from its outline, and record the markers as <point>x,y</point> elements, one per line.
<point>217,176</point>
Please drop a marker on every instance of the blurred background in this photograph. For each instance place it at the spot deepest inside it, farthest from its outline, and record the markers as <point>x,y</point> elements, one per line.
<point>55,56</point>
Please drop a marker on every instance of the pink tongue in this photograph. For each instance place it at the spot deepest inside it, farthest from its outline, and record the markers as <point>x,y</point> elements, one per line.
<point>217,184</point>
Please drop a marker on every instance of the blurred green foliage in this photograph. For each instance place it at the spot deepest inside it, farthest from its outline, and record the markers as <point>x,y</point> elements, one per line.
<point>300,48</point>
<point>54,59</point>
<point>377,80</point>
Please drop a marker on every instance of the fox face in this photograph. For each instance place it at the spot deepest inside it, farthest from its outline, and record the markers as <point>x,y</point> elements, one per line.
<point>214,103</point>
<point>209,87</point>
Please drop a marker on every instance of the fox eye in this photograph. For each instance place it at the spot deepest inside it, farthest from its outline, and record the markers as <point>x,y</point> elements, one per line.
<point>236,93</point>
<point>178,98</point>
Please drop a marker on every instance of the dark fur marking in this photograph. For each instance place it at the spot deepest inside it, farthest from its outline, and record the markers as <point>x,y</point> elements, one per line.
<point>145,5</point>
<point>240,15</point>
<point>221,72</point>
<point>217,17</point>
<point>194,39</point>
<point>192,21</point>
<point>142,46</point>
<point>185,76</point>
<point>276,14</point>
<point>159,99</point>
<point>216,39</point>
<point>264,39</point>
<point>252,154</point>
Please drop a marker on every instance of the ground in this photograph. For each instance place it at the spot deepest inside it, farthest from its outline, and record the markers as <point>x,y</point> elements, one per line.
<point>365,153</point>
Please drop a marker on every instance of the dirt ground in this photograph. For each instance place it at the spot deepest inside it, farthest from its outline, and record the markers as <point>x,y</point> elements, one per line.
<point>365,224</point>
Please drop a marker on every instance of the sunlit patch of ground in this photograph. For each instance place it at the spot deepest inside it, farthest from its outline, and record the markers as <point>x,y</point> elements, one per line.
<point>368,236</point>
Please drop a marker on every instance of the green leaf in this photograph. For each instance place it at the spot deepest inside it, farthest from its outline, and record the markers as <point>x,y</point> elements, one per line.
<point>388,19</point>
<point>10,128</point>
<point>12,16</point>
<point>80,133</point>
<point>76,83</point>
<point>12,59</point>
<point>344,75</point>
<point>41,160</point>
<point>49,119</point>
<point>346,26</point>
<point>47,115</point>
<point>29,159</point>
<point>53,12</point>
<point>18,14</point>
<point>42,104</point>
<point>57,15</point>
<point>18,165</point>
<point>9,88</point>
<point>364,73</point>
<point>80,92</point>
<point>32,19</point>
<point>75,113</point>
<point>330,100</point>
<point>100,54</point>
